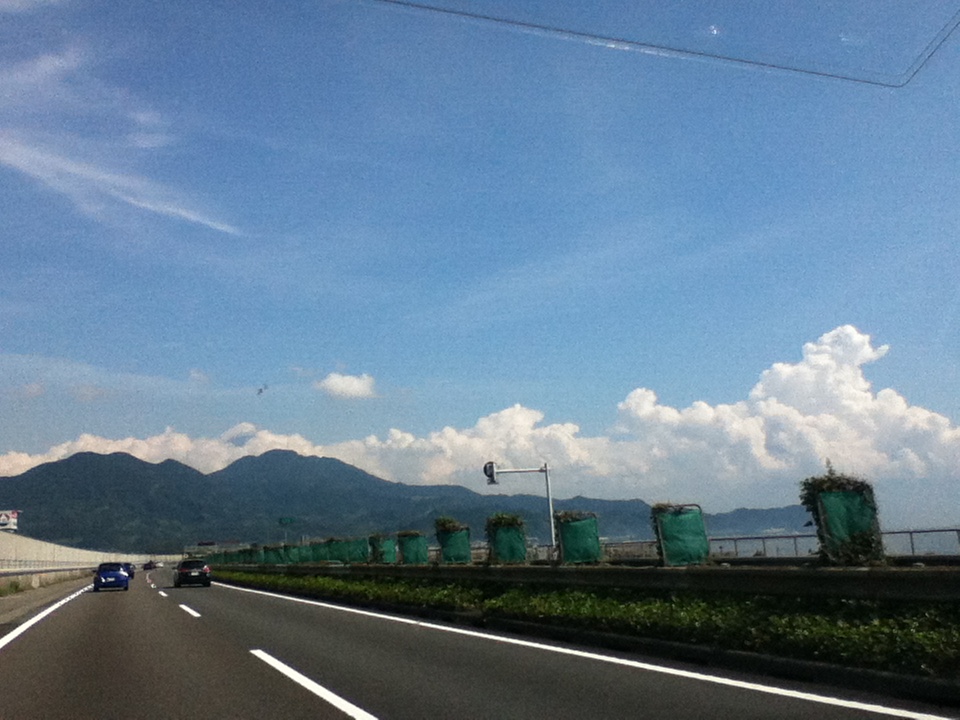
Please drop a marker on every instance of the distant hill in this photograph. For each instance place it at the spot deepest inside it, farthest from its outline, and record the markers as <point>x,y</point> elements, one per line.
<point>117,502</point>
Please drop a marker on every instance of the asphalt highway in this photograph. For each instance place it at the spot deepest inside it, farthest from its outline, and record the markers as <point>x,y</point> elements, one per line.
<point>221,652</point>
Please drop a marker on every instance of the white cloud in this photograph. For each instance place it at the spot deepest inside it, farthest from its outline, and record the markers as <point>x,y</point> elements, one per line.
<point>751,453</point>
<point>347,386</point>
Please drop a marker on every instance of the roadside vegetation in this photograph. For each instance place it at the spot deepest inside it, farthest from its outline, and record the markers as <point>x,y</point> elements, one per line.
<point>911,638</point>
<point>854,538</point>
<point>11,588</point>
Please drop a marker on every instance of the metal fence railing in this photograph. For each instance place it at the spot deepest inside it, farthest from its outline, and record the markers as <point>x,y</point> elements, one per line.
<point>897,543</point>
<point>938,541</point>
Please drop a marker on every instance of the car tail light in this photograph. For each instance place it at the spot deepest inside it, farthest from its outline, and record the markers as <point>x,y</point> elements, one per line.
<point>206,568</point>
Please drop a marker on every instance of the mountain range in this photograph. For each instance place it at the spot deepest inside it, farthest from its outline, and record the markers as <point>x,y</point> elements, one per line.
<point>118,502</point>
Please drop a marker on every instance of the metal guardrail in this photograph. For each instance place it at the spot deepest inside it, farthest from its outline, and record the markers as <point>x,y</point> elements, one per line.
<point>916,536</point>
<point>886,583</point>
<point>14,566</point>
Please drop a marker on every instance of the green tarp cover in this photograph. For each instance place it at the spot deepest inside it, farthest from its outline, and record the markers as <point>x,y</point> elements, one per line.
<point>291,553</point>
<point>844,514</point>
<point>580,541</point>
<point>339,551</point>
<point>357,550</point>
<point>683,538</point>
<point>254,556</point>
<point>413,549</point>
<point>509,545</point>
<point>383,550</point>
<point>319,552</point>
<point>272,556</point>
<point>454,546</point>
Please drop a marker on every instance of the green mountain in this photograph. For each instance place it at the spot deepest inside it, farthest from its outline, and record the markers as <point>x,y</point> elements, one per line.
<point>117,502</point>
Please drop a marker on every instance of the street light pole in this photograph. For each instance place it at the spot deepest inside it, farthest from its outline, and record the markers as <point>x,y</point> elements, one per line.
<point>491,470</point>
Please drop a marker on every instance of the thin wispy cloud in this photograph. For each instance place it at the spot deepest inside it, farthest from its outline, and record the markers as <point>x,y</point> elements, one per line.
<point>25,6</point>
<point>88,393</point>
<point>45,98</point>
<point>171,209</point>
<point>92,187</point>
<point>28,83</point>
<point>32,390</point>
<point>600,263</point>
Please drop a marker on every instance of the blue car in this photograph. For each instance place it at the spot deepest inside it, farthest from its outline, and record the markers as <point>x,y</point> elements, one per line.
<point>111,575</point>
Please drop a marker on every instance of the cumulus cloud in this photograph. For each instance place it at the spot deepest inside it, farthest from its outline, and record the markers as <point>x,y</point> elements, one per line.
<point>751,453</point>
<point>347,386</point>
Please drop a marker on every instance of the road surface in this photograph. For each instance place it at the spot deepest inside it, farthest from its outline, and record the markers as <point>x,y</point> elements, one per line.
<point>221,652</point>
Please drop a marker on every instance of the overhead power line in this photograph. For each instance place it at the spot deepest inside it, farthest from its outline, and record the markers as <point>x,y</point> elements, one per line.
<point>669,51</point>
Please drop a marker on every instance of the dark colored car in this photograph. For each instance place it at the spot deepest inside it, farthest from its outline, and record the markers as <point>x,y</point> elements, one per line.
<point>191,572</point>
<point>149,565</point>
<point>129,567</point>
<point>111,575</point>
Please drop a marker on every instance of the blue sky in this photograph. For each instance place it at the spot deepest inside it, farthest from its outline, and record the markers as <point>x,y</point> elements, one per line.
<point>417,240</point>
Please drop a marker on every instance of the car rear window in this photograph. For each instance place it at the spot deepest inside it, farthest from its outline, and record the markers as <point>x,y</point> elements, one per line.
<point>110,567</point>
<point>192,564</point>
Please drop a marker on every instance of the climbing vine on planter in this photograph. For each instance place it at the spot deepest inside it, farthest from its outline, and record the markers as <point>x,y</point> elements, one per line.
<point>680,532</point>
<point>844,511</point>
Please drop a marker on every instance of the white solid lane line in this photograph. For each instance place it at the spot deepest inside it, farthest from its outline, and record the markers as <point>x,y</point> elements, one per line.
<point>338,702</point>
<point>20,629</point>
<point>716,679</point>
<point>189,611</point>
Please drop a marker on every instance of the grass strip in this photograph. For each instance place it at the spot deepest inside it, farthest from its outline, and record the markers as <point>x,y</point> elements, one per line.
<point>908,638</point>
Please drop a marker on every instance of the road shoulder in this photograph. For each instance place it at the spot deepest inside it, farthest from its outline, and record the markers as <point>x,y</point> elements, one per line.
<point>17,607</point>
